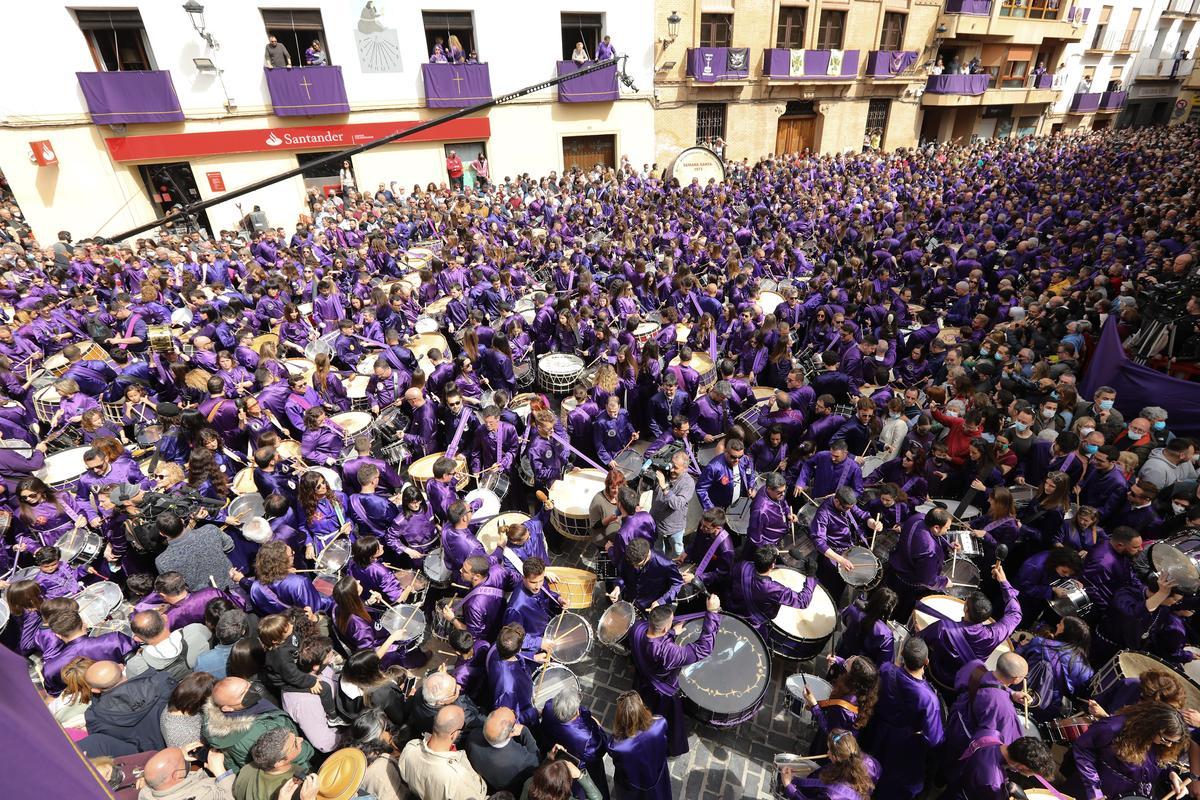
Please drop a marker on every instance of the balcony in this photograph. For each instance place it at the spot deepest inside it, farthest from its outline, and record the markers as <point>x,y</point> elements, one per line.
<point>1085,103</point>
<point>718,64</point>
<point>884,64</point>
<point>809,65</point>
<point>1165,69</point>
<point>130,97</point>
<point>980,8</point>
<point>1044,88</point>
<point>456,85</point>
<point>595,87</point>
<point>307,91</point>
<point>1113,101</point>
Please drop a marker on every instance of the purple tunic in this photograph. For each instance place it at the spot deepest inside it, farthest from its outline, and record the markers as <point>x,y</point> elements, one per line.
<point>1100,773</point>
<point>509,685</point>
<point>483,607</point>
<point>906,725</point>
<point>641,764</point>
<point>111,646</point>
<point>954,644</point>
<point>658,662</point>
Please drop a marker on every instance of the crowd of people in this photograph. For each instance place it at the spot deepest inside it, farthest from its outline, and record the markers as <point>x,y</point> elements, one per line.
<point>819,358</point>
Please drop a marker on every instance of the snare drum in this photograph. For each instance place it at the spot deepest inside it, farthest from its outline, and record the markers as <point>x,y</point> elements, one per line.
<point>550,681</point>
<point>570,636</point>
<point>704,367</point>
<point>645,331</point>
<point>575,586</point>
<point>951,505</point>
<point>80,547</point>
<point>963,577</point>
<point>356,390</point>
<point>98,601</point>
<point>596,559</point>
<point>1023,494</point>
<point>407,620</point>
<point>571,497</point>
<point>495,482</point>
<point>435,569</point>
<point>1068,729</point>
<point>46,403</point>
<point>559,372</point>
<point>795,684</point>
<point>801,632</point>
<point>353,423</point>
<point>728,687</point>
<point>737,516</point>
<point>441,625</point>
<point>866,567</point>
<point>243,482</point>
<point>61,471</point>
<point>300,366</point>
<point>421,470</point>
<point>1178,558</point>
<point>331,476</point>
<point>968,545</point>
<point>329,565</point>
<point>1075,601</point>
<point>245,506</point>
<point>614,625</point>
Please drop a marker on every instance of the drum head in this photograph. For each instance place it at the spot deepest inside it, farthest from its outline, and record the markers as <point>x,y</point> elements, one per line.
<point>734,678</point>
<point>949,607</point>
<point>571,637</point>
<point>489,503</point>
<point>820,687</point>
<point>246,506</point>
<point>97,601</point>
<point>333,557</point>
<point>353,422</point>
<point>550,681</point>
<point>630,463</point>
<point>409,621</point>
<point>332,478</point>
<point>572,494</point>
<point>1176,559</point>
<point>615,622</point>
<point>963,576</point>
<point>65,466</point>
<point>1133,664</point>
<point>817,621</point>
<point>866,567</point>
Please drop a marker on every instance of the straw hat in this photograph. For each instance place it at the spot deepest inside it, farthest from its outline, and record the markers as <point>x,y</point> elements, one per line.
<point>341,774</point>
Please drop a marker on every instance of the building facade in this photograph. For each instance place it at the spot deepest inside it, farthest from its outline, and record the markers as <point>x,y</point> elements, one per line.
<point>1164,62</point>
<point>766,76</point>
<point>142,104</point>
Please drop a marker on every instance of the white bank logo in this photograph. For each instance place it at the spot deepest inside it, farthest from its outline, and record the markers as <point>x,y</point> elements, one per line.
<point>329,137</point>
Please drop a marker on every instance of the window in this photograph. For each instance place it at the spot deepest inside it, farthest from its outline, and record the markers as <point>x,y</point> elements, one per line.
<point>580,28</point>
<point>877,120</point>
<point>710,122</point>
<point>1030,9</point>
<point>117,40</point>
<point>1128,41</point>
<point>1015,73</point>
<point>831,30</point>
<point>893,31</point>
<point>716,30</point>
<point>1101,29</point>
<point>791,27</point>
<point>444,24</point>
<point>296,30</point>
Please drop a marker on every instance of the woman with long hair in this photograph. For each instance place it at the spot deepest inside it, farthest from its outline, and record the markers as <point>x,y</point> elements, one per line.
<point>556,780</point>
<point>323,515</point>
<point>906,471</point>
<point>329,385</point>
<point>358,630</point>
<point>237,379</point>
<point>639,751</point>
<point>1128,753</point>
<point>277,587</point>
<point>180,720</point>
<point>204,475</point>
<point>296,331</point>
<point>363,685</point>
<point>1036,578</point>
<point>1058,668</point>
<point>1081,532</point>
<point>851,701</point>
<point>380,741</point>
<point>27,632</point>
<point>850,774</point>
<point>1042,520</point>
<point>998,525</point>
<point>44,516</point>
<point>865,628</point>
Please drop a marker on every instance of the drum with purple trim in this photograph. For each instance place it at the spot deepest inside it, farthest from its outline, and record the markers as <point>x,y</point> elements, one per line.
<point>726,688</point>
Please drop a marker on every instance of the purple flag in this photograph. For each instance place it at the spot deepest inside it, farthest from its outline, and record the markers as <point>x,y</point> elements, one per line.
<point>888,63</point>
<point>31,736</point>
<point>130,97</point>
<point>1108,366</point>
<point>456,85</point>
<point>712,64</point>
<point>307,91</point>
<point>595,87</point>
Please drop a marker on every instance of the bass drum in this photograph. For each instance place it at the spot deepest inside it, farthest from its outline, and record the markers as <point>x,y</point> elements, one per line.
<point>726,688</point>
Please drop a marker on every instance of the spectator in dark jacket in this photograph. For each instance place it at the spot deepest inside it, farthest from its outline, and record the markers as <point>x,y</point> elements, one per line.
<point>503,751</point>
<point>124,717</point>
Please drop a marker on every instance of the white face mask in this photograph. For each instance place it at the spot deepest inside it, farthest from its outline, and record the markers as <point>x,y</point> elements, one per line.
<point>1048,413</point>
<point>1178,508</point>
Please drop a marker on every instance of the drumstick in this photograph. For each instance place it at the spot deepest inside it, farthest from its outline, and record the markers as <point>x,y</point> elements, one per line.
<point>566,633</point>
<point>1025,691</point>
<point>549,656</point>
<point>873,532</point>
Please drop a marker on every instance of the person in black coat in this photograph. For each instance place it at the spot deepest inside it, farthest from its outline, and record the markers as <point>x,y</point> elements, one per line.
<point>503,751</point>
<point>123,717</point>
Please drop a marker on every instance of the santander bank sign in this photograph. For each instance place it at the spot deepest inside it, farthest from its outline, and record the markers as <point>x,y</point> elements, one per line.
<point>178,146</point>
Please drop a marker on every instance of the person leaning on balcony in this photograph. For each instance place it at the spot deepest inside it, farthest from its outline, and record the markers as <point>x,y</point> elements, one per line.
<point>315,56</point>
<point>277,55</point>
<point>579,55</point>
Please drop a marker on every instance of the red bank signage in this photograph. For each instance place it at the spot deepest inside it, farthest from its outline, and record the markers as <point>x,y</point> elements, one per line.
<point>316,137</point>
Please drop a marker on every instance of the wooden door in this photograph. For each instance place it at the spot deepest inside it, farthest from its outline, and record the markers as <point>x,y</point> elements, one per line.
<point>795,134</point>
<point>585,152</point>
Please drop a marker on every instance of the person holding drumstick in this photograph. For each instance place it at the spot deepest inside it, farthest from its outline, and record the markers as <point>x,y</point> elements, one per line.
<point>756,597</point>
<point>645,578</point>
<point>532,604</point>
<point>658,659</point>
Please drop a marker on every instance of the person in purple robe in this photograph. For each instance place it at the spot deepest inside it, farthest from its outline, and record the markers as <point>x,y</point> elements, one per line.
<point>954,643</point>
<point>300,398</point>
<point>727,478</point>
<point>645,577</point>
<point>867,628</point>
<point>658,660</point>
<point>276,586</point>
<point>756,597</point>
<point>638,748</point>
<point>771,519</point>
<point>1109,566</point>
<point>915,563</point>
<point>323,513</point>
<point>985,701</point>
<point>376,578</point>
<point>358,630</point>
<point>989,764</point>
<point>532,605</point>
<point>827,471</point>
<point>483,608</point>
<point>102,472</point>
<point>1127,754</point>
<point>509,684</point>
<point>496,444</point>
<point>68,626</point>
<point>907,725</point>
<point>850,775</point>
<point>324,439</point>
<point>568,724</point>
<point>442,488</point>
<point>389,480</point>
<point>181,606</point>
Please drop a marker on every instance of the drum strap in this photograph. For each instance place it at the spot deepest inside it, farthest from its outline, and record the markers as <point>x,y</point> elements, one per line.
<point>980,743</point>
<point>133,321</point>
<point>843,704</point>
<point>587,460</point>
<point>721,536</point>
<point>216,409</point>
<point>458,432</point>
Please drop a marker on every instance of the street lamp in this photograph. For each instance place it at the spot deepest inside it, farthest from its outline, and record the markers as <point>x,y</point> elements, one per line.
<point>672,29</point>
<point>196,12</point>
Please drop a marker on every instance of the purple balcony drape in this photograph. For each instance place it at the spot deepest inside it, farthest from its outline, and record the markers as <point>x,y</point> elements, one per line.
<point>456,85</point>
<point>307,91</point>
<point>130,97</point>
<point>712,64</point>
<point>889,63</point>
<point>957,84</point>
<point>595,87</point>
